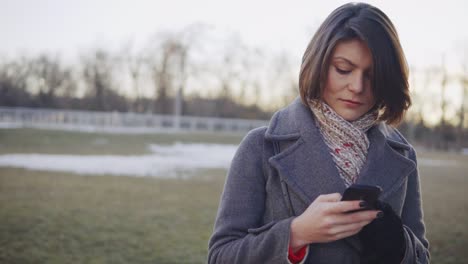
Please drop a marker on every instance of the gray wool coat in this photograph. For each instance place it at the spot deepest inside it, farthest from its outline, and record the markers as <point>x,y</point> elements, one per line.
<point>279,170</point>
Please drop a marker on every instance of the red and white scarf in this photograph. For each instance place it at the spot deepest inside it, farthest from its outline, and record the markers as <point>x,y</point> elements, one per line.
<point>347,141</point>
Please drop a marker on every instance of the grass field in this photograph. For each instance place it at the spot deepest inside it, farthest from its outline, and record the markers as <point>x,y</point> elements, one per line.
<point>66,218</point>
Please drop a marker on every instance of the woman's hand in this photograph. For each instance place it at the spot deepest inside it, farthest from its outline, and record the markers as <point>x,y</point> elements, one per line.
<point>326,220</point>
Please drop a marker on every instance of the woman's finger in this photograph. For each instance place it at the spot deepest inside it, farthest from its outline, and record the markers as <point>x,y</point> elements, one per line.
<point>331,197</point>
<point>345,234</point>
<point>347,228</point>
<point>350,218</point>
<point>344,206</point>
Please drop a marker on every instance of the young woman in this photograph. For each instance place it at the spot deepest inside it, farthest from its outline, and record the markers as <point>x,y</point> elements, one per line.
<point>282,198</point>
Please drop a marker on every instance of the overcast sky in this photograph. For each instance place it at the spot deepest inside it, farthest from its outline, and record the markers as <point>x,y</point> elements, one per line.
<point>427,28</point>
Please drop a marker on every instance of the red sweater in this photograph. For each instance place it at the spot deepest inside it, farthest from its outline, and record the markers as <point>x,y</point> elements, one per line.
<point>298,256</point>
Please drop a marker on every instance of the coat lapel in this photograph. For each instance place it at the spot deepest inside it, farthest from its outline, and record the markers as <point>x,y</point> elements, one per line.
<point>308,168</point>
<point>386,164</point>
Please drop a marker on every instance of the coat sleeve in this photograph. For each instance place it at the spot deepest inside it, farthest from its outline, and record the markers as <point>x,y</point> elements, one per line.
<point>417,246</point>
<point>238,235</point>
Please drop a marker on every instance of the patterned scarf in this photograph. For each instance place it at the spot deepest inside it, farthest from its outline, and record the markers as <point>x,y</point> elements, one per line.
<point>347,141</point>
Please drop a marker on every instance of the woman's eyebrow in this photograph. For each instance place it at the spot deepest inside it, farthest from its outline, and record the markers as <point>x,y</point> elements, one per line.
<point>346,60</point>
<point>350,62</point>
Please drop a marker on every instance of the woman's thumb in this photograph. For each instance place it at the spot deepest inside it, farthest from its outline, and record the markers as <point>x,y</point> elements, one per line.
<point>331,197</point>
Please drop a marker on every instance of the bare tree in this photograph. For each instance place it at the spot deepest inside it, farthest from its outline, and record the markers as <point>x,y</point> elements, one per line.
<point>98,69</point>
<point>171,65</point>
<point>463,107</point>
<point>163,78</point>
<point>13,83</point>
<point>161,62</point>
<point>284,78</point>
<point>134,63</point>
<point>228,74</point>
<point>251,62</point>
<point>446,131</point>
<point>51,79</point>
<point>443,86</point>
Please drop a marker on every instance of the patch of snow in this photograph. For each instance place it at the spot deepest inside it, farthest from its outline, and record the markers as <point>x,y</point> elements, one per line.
<point>166,161</point>
<point>9,125</point>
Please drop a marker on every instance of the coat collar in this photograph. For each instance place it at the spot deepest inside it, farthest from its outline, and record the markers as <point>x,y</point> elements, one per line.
<point>310,171</point>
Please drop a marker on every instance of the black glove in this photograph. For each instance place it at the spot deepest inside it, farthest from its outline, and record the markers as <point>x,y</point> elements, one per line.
<point>383,240</point>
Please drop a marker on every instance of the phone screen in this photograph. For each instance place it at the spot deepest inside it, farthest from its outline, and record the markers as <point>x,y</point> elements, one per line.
<point>368,193</point>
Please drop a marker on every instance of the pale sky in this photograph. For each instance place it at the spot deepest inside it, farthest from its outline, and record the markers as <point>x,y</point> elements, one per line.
<point>427,29</point>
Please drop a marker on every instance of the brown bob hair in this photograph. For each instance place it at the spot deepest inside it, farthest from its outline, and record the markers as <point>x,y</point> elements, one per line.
<point>390,71</point>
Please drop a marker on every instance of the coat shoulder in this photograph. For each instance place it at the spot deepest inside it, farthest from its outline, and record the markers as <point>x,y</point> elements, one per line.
<point>253,142</point>
<point>396,139</point>
<point>255,136</point>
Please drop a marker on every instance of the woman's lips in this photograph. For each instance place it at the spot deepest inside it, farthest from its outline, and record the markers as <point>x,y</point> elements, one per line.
<point>351,103</point>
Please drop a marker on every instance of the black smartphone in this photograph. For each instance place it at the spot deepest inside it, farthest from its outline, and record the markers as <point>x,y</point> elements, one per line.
<point>368,193</point>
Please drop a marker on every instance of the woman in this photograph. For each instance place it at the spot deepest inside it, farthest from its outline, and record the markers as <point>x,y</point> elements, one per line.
<point>282,198</point>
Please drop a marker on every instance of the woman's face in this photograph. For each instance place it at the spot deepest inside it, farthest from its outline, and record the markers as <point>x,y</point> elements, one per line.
<point>348,87</point>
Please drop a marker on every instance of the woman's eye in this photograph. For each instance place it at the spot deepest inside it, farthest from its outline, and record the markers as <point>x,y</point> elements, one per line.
<point>342,71</point>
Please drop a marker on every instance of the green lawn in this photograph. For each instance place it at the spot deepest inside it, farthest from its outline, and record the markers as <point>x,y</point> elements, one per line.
<point>50,217</point>
<point>59,218</point>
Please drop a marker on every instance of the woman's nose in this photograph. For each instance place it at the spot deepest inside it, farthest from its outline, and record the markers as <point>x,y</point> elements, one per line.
<point>356,84</point>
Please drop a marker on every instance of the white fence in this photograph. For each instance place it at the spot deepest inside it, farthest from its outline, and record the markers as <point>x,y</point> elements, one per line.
<point>116,122</point>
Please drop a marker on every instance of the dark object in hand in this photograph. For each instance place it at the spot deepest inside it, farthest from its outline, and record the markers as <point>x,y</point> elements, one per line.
<point>383,240</point>
<point>368,193</point>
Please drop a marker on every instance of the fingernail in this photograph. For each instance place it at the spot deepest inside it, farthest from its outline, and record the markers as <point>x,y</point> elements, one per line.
<point>362,204</point>
<point>379,214</point>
